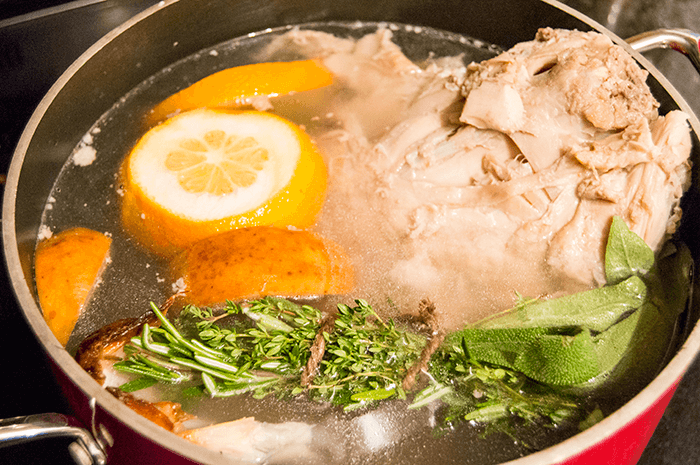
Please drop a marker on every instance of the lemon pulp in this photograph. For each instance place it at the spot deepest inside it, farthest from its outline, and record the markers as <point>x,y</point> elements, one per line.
<point>208,171</point>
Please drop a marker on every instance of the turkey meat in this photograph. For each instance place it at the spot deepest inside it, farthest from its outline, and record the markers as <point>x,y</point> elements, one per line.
<point>495,179</point>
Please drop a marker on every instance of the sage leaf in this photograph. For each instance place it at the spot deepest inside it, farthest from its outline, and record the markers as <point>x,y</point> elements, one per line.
<point>595,310</point>
<point>560,360</point>
<point>626,254</point>
<point>539,353</point>
<point>625,336</point>
<point>672,281</point>
<point>498,346</point>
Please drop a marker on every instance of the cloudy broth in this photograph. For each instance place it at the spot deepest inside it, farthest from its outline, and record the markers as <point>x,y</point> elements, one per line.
<point>87,193</point>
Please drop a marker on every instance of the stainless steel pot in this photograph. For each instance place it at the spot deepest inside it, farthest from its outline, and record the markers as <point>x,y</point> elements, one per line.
<point>175,29</point>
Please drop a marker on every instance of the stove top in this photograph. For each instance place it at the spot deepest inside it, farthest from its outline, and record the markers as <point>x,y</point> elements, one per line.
<point>39,39</point>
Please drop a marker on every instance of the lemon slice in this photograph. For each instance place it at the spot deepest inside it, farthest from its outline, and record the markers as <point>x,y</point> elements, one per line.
<point>207,171</point>
<point>205,165</point>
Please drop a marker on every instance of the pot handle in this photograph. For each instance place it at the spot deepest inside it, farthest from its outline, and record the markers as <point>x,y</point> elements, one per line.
<point>682,40</point>
<point>84,449</point>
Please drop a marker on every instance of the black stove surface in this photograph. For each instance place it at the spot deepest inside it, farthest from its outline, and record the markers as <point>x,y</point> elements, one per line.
<point>39,39</point>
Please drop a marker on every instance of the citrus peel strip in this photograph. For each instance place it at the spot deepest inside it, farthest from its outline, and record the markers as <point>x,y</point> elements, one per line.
<point>67,267</point>
<point>234,87</point>
<point>249,263</point>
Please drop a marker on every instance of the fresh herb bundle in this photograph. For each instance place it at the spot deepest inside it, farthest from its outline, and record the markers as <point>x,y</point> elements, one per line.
<point>513,365</point>
<point>365,358</point>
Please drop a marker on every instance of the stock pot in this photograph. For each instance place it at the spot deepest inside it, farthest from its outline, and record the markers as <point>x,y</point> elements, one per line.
<point>105,431</point>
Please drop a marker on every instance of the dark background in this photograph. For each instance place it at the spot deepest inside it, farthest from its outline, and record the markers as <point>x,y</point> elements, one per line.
<point>40,38</point>
<point>13,8</point>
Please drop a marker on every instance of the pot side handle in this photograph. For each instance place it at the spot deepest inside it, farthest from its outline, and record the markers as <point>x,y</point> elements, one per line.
<point>84,449</point>
<point>682,40</point>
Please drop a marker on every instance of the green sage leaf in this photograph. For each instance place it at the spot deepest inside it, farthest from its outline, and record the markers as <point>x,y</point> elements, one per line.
<point>626,254</point>
<point>560,360</point>
<point>595,310</point>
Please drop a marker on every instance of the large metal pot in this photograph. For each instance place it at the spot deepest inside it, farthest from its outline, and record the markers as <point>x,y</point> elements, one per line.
<point>175,29</point>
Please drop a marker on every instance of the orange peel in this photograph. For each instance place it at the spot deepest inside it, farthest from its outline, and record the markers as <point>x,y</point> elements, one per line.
<point>234,87</point>
<point>67,267</point>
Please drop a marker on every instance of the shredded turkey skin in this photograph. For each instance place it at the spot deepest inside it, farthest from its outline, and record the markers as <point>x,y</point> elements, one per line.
<point>576,95</point>
<point>498,177</point>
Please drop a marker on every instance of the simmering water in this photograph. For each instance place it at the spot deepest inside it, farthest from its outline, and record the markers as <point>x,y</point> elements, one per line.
<point>88,195</point>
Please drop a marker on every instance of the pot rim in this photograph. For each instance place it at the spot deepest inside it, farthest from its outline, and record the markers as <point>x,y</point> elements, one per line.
<point>639,404</point>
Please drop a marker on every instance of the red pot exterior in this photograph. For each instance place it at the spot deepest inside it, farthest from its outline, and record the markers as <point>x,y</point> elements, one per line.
<point>128,447</point>
<point>625,447</point>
